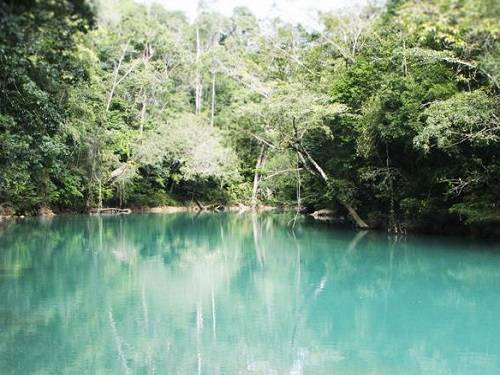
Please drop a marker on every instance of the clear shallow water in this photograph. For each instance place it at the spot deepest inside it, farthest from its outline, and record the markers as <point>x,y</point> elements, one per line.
<point>229,294</point>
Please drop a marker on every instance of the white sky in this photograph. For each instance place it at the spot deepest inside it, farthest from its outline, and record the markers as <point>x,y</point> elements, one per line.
<point>295,11</point>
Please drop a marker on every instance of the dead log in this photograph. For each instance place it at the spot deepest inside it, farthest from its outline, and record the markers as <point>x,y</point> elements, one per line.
<point>200,206</point>
<point>111,211</point>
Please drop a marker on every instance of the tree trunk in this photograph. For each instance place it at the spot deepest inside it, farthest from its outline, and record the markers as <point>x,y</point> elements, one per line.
<point>198,87</point>
<point>117,81</point>
<point>257,176</point>
<point>100,193</point>
<point>143,112</point>
<point>213,99</point>
<point>314,163</point>
<point>200,206</point>
<point>359,222</point>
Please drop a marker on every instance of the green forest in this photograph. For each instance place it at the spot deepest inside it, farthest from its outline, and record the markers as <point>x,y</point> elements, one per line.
<point>388,116</point>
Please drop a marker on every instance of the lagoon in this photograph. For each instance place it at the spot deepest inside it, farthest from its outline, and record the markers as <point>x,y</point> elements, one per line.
<point>219,293</point>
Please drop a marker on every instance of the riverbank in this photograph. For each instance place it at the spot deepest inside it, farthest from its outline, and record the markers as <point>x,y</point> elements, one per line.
<point>47,212</point>
<point>486,230</point>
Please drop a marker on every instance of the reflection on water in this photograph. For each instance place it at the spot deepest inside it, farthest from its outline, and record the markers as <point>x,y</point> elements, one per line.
<point>229,294</point>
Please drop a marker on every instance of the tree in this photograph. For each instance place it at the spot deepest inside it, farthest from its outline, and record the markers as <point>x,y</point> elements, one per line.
<point>37,68</point>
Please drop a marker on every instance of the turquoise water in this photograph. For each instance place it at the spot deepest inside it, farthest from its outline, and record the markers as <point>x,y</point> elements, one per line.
<point>230,294</point>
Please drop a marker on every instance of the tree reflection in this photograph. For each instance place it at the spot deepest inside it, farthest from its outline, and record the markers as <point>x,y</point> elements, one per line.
<point>224,293</point>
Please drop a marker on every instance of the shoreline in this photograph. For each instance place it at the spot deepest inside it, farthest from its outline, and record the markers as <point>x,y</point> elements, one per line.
<point>46,212</point>
<point>487,232</point>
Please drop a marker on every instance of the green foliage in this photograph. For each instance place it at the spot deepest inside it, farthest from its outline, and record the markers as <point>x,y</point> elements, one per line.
<point>37,68</point>
<point>192,145</point>
<point>468,117</point>
<point>392,111</point>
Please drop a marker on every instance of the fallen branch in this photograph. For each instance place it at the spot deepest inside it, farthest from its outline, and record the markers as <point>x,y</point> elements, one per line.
<point>110,211</point>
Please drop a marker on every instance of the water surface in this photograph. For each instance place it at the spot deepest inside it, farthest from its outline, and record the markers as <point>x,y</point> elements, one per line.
<point>229,294</point>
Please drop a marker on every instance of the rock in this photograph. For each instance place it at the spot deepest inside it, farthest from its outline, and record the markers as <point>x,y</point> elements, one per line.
<point>323,213</point>
<point>265,208</point>
<point>6,210</point>
<point>168,209</point>
<point>326,214</point>
<point>45,212</point>
<point>240,208</point>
